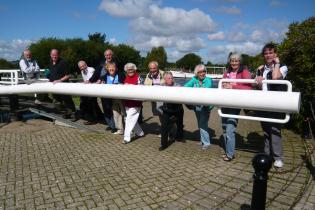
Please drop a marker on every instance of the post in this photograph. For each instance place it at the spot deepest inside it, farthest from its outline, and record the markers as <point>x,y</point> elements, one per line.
<point>262,164</point>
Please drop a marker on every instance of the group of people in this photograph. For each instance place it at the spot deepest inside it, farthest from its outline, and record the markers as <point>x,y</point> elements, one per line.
<point>122,116</point>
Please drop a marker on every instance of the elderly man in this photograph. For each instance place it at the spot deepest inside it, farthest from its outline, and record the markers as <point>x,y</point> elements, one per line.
<point>172,114</point>
<point>30,69</point>
<point>29,66</point>
<point>88,106</point>
<point>98,77</point>
<point>60,72</point>
<point>102,68</point>
<point>154,77</point>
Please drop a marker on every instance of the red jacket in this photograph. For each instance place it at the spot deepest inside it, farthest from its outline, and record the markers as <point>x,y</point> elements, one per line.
<point>134,80</point>
<point>242,73</point>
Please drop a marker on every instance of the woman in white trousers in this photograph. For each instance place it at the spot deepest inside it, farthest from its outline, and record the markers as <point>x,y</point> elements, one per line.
<point>132,107</point>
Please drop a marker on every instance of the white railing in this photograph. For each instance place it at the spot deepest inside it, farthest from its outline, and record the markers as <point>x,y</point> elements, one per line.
<point>215,70</point>
<point>9,77</point>
<point>252,81</point>
<point>276,101</point>
<point>14,76</point>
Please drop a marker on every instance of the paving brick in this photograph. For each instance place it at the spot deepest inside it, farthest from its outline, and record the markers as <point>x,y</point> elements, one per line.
<point>58,168</point>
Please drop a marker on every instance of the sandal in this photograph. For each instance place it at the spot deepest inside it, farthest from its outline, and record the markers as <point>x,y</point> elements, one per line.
<point>227,158</point>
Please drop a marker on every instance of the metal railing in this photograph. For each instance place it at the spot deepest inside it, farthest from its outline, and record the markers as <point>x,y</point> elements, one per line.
<point>14,76</point>
<point>253,81</point>
<point>9,77</point>
<point>215,70</point>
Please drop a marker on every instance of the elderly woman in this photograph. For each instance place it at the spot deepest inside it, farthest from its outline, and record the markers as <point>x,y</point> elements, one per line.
<point>234,71</point>
<point>113,77</point>
<point>202,112</point>
<point>132,107</point>
<point>170,114</point>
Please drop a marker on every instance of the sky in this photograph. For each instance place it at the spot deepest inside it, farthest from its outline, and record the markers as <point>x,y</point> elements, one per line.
<point>208,28</point>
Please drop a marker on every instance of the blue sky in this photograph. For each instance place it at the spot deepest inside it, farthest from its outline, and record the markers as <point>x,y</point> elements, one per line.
<point>209,28</point>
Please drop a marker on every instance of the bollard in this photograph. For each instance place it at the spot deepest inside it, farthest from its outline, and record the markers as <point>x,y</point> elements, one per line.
<point>262,164</point>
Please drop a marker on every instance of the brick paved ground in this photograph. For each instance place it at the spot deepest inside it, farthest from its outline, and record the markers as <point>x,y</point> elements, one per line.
<point>43,166</point>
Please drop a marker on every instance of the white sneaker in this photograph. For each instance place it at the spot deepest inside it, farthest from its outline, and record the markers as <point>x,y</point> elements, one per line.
<point>159,135</point>
<point>278,164</point>
<point>140,134</point>
<point>37,102</point>
<point>119,132</point>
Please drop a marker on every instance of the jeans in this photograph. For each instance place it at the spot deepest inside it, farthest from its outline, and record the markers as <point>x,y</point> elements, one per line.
<point>229,127</point>
<point>202,116</point>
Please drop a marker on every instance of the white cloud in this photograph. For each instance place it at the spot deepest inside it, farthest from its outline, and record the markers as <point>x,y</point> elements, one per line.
<point>229,10</point>
<point>257,35</point>
<point>219,54</point>
<point>125,8</point>
<point>216,36</point>
<point>151,25</point>
<point>181,44</point>
<point>180,31</point>
<point>13,50</point>
<point>174,55</point>
<point>113,41</point>
<point>172,21</point>
<point>236,36</point>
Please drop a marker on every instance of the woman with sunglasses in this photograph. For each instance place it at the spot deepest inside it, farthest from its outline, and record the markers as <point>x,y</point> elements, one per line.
<point>202,112</point>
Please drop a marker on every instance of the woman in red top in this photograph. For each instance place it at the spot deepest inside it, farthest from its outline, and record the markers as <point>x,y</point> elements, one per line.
<point>132,107</point>
<point>234,71</point>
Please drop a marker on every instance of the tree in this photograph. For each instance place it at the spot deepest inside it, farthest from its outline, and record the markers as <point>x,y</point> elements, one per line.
<point>125,54</point>
<point>189,61</point>
<point>298,52</point>
<point>4,64</point>
<point>209,63</point>
<point>97,37</point>
<point>41,49</point>
<point>156,54</point>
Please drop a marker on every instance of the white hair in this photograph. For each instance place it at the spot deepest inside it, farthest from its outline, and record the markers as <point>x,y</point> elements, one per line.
<point>236,56</point>
<point>81,62</point>
<point>130,65</point>
<point>167,73</point>
<point>109,50</point>
<point>155,63</point>
<point>54,50</point>
<point>199,67</point>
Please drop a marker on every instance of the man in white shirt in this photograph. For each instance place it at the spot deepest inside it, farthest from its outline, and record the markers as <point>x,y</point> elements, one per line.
<point>87,104</point>
<point>30,69</point>
<point>29,66</point>
<point>272,70</point>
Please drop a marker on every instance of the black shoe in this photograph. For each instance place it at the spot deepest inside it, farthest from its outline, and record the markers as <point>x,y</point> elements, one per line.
<point>73,119</point>
<point>66,116</point>
<point>113,130</point>
<point>181,140</point>
<point>89,123</point>
<point>162,148</point>
<point>108,128</point>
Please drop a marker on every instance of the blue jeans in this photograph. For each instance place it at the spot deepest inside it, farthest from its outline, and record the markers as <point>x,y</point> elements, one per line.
<point>203,115</point>
<point>229,127</point>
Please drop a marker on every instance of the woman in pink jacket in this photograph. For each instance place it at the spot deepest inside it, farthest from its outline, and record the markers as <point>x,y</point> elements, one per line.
<point>234,71</point>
